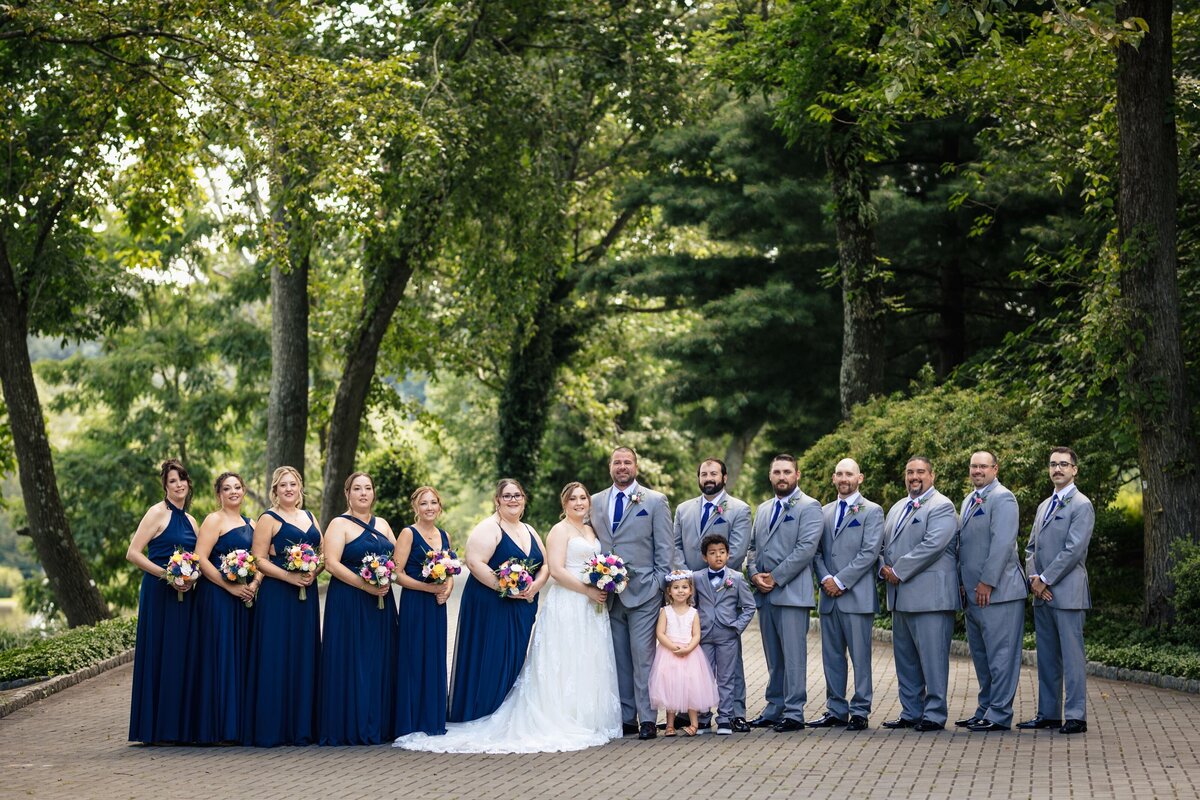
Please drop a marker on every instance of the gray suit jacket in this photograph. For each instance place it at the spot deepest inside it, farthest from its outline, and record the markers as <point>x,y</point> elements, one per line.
<point>643,539</point>
<point>734,525</point>
<point>1058,549</point>
<point>851,554</point>
<point>786,551</point>
<point>728,607</point>
<point>987,546</point>
<point>923,555</point>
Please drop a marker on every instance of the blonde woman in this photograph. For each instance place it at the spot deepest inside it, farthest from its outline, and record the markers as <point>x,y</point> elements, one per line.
<point>285,633</point>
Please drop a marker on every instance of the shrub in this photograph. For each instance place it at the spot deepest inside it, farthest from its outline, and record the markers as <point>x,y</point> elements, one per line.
<point>397,473</point>
<point>74,650</point>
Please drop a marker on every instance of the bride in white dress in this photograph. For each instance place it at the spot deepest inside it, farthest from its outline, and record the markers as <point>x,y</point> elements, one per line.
<point>566,696</point>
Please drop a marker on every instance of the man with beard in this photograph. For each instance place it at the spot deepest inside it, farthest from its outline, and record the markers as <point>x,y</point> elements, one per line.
<point>1058,579</point>
<point>714,511</point>
<point>845,565</point>
<point>920,565</point>
<point>783,541</point>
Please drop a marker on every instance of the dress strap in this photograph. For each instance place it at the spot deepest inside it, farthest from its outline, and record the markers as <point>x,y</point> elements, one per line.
<point>368,527</point>
<point>276,516</point>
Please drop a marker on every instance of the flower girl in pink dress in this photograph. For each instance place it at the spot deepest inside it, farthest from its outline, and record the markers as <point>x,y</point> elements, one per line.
<point>680,676</point>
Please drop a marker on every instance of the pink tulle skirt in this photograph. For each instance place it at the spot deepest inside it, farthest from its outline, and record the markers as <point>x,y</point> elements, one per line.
<point>679,684</point>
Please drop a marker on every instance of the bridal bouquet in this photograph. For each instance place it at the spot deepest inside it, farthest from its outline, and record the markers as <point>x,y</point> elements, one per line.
<point>182,567</point>
<point>440,565</point>
<point>607,572</point>
<point>301,558</point>
<point>515,576</point>
<point>239,566</point>
<point>377,570</point>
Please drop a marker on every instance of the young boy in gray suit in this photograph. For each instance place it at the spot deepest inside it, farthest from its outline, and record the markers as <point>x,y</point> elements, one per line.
<point>726,607</point>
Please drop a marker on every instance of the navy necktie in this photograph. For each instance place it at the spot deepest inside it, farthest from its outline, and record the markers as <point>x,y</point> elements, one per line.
<point>619,511</point>
<point>1050,510</point>
<point>907,510</point>
<point>841,514</point>
<point>708,507</point>
<point>775,513</point>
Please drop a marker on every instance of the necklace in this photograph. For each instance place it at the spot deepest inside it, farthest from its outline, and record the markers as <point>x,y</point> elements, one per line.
<point>582,533</point>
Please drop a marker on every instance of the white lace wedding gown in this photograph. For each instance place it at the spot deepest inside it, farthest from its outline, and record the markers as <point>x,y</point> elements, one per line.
<point>566,696</point>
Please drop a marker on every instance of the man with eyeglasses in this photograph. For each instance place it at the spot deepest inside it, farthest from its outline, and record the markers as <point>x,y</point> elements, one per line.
<point>635,523</point>
<point>1055,561</point>
<point>994,589</point>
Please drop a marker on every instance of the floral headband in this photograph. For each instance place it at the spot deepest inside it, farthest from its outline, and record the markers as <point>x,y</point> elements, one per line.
<point>678,575</point>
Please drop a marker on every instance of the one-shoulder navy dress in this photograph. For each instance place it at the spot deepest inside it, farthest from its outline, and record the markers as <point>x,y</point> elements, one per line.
<point>421,669</point>
<point>358,652</point>
<point>285,653</point>
<point>492,639</point>
<point>165,643</point>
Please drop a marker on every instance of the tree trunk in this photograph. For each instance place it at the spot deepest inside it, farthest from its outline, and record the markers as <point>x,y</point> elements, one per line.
<point>862,285</point>
<point>735,453</point>
<point>1146,227</point>
<point>952,315</point>
<point>70,580</point>
<point>287,404</point>
<point>350,402</point>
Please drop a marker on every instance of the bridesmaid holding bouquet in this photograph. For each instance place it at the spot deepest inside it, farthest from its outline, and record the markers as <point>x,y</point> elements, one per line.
<point>421,674</point>
<point>358,653</point>
<point>285,631</point>
<point>157,713</point>
<point>218,672</point>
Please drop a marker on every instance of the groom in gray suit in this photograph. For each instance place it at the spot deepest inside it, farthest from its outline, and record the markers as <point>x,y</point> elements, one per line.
<point>1058,579</point>
<point>782,544</point>
<point>845,564</point>
<point>994,588</point>
<point>635,523</point>
<point>920,566</point>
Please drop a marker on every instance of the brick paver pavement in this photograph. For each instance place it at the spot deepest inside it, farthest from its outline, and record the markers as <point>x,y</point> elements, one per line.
<point>1142,743</point>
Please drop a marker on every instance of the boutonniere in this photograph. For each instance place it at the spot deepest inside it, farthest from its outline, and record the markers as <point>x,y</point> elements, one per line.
<point>1065,501</point>
<point>916,503</point>
<point>854,509</point>
<point>637,497</point>
<point>720,507</point>
<point>793,500</point>
<point>727,584</point>
<point>980,499</point>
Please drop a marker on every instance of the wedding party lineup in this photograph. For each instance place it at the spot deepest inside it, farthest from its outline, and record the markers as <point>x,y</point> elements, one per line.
<point>622,620</point>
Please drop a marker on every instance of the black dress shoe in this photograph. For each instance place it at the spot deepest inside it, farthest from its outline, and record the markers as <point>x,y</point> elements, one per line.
<point>647,731</point>
<point>900,722</point>
<point>789,726</point>
<point>1039,722</point>
<point>856,723</point>
<point>1073,726</point>
<point>928,725</point>
<point>629,728</point>
<point>762,722</point>
<point>739,725</point>
<point>968,722</point>
<point>986,726</point>
<point>827,721</point>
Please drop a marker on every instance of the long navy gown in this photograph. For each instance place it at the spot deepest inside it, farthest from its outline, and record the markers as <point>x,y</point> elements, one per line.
<point>165,644</point>
<point>492,640</point>
<point>218,669</point>
<point>421,668</point>
<point>358,653</point>
<point>285,653</point>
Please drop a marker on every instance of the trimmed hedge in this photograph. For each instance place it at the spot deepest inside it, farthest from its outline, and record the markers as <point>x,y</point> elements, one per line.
<point>73,650</point>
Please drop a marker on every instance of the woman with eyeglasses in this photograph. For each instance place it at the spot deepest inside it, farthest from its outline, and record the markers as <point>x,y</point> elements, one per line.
<point>494,628</point>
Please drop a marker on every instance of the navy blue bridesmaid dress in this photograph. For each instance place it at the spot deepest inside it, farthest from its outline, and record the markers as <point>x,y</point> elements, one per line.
<point>165,643</point>
<point>492,639</point>
<point>421,667</point>
<point>358,652</point>
<point>285,653</point>
<point>218,668</point>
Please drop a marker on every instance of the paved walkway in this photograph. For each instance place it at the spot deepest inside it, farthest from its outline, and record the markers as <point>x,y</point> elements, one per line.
<point>1142,743</point>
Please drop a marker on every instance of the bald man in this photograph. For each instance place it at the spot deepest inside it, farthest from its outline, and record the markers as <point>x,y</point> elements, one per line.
<point>845,565</point>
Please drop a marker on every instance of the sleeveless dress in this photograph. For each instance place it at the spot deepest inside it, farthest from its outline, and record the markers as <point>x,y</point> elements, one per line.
<point>493,636</point>
<point>218,669</point>
<point>421,645</point>
<point>680,684</point>
<point>165,643</point>
<point>358,652</point>
<point>566,697</point>
<point>285,653</point>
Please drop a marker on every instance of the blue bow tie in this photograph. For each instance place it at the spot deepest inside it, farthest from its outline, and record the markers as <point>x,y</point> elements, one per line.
<point>712,576</point>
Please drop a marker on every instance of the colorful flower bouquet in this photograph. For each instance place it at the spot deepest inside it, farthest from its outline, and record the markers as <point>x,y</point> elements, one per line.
<point>515,576</point>
<point>377,570</point>
<point>301,557</point>
<point>607,572</point>
<point>239,566</point>
<point>440,566</point>
<point>182,567</point>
